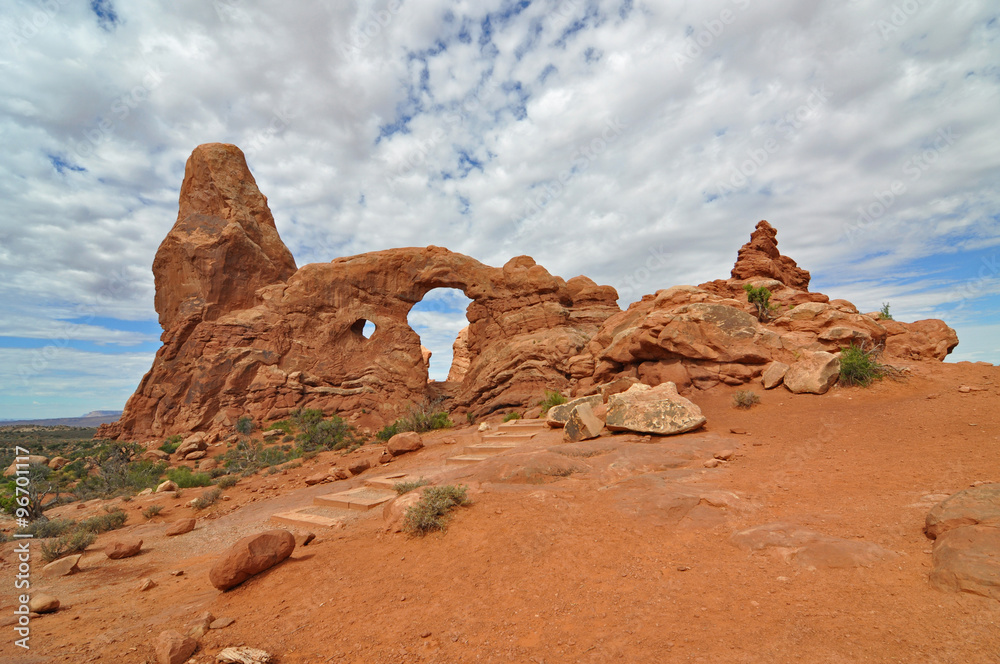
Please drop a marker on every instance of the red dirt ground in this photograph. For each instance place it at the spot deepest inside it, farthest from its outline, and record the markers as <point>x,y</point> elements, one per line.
<point>577,568</point>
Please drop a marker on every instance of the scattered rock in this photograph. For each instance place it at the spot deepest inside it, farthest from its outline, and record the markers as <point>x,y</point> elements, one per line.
<point>339,473</point>
<point>582,424</point>
<point>304,539</point>
<point>194,456</point>
<point>317,479</point>
<point>449,440</point>
<point>359,466</point>
<point>773,375</point>
<point>739,432</point>
<point>272,434</point>
<point>385,458</point>
<point>725,455</point>
<point>169,485</point>
<point>58,462</point>
<point>146,584</point>
<point>63,566</point>
<point>174,648</point>
<point>42,603</point>
<point>660,410</point>
<point>484,427</point>
<point>249,556</point>
<point>125,548</point>
<point>712,463</point>
<point>978,505</point>
<point>815,373</point>
<point>401,443</point>
<point>177,572</point>
<point>208,464</point>
<point>199,627</point>
<point>32,459</point>
<point>154,455</point>
<point>394,510</point>
<point>180,527</point>
<point>222,623</point>
<point>557,415</point>
<point>243,655</point>
<point>145,492</point>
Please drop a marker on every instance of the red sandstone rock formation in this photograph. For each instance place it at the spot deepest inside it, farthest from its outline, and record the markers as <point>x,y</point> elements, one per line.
<point>245,333</point>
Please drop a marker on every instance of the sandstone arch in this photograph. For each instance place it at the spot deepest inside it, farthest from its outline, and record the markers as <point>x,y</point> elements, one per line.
<point>246,333</point>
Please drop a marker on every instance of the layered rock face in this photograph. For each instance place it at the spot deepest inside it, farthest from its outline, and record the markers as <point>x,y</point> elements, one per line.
<point>247,333</point>
<point>705,335</point>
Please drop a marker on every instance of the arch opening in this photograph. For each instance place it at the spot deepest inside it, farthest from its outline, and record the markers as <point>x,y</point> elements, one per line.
<point>364,328</point>
<point>437,319</point>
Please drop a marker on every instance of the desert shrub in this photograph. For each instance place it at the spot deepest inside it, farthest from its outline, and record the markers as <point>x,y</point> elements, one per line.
<point>860,367</point>
<point>226,481</point>
<point>388,431</point>
<point>332,434</point>
<point>745,399</point>
<point>119,473</point>
<point>68,544</point>
<point>171,444</point>
<point>431,513</point>
<point>104,522</point>
<point>760,298</point>
<point>552,398</point>
<point>511,416</point>
<point>884,312</point>
<point>282,425</point>
<point>152,511</point>
<point>45,528</point>
<point>470,417</point>
<point>185,478</point>
<point>249,457</point>
<point>207,498</point>
<point>406,487</point>
<point>244,425</point>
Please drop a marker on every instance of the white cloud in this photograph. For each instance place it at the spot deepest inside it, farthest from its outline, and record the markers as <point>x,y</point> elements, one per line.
<point>488,122</point>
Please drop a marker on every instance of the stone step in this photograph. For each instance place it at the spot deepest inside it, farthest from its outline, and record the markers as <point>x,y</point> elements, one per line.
<point>487,449</point>
<point>310,517</point>
<point>360,499</point>
<point>507,438</point>
<point>515,426</point>
<point>386,481</point>
<point>466,459</point>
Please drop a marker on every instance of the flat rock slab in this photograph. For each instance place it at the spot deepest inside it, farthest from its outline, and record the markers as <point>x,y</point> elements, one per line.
<point>658,410</point>
<point>362,499</point>
<point>557,415</point>
<point>976,506</point>
<point>967,559</point>
<point>809,548</point>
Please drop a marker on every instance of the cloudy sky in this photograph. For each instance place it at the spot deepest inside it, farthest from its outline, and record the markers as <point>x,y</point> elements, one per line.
<point>635,142</point>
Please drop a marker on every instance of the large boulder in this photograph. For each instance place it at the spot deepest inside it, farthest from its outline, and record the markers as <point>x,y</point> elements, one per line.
<point>32,459</point>
<point>583,424</point>
<point>124,548</point>
<point>978,505</point>
<point>63,566</point>
<point>815,373</point>
<point>249,556</point>
<point>42,603</point>
<point>967,559</point>
<point>180,527</point>
<point>401,443</point>
<point>658,410</point>
<point>773,375</point>
<point>558,415</point>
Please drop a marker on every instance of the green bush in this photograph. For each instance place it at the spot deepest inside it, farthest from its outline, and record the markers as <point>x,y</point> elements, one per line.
<point>119,473</point>
<point>860,367</point>
<point>249,457</point>
<point>332,434</point>
<point>171,444</point>
<point>227,481</point>
<point>282,425</point>
<point>207,498</point>
<point>884,312</point>
<point>185,478</point>
<point>244,425</point>
<point>45,528</point>
<point>103,523</point>
<point>152,511</point>
<point>406,487</point>
<point>431,512</point>
<point>552,398</point>
<point>470,418</point>
<point>388,431</point>
<point>74,542</point>
<point>745,399</point>
<point>761,299</point>
<point>511,416</point>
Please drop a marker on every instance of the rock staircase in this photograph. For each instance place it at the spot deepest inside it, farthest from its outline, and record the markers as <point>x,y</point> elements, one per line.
<point>333,510</point>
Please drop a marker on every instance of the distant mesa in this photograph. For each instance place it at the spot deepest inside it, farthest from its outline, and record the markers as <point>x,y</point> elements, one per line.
<point>246,332</point>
